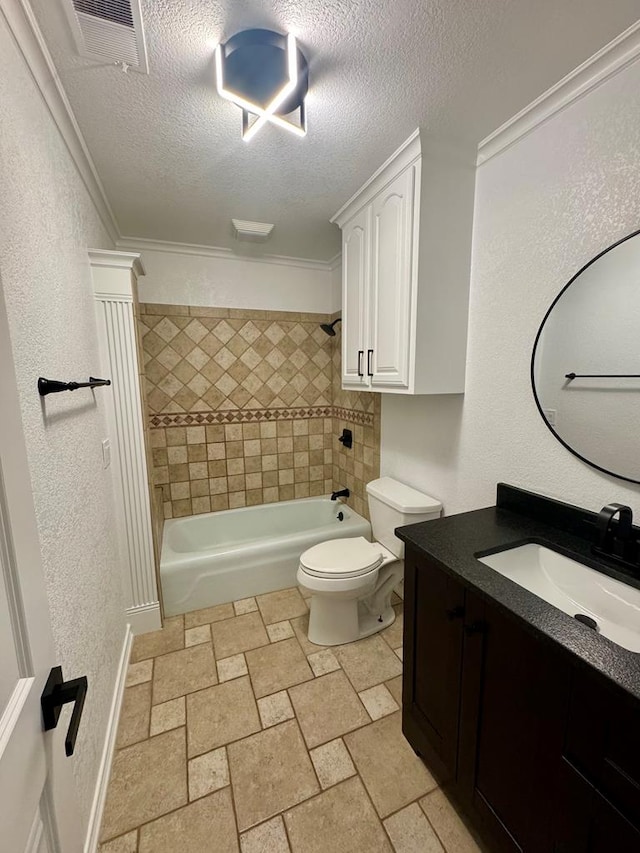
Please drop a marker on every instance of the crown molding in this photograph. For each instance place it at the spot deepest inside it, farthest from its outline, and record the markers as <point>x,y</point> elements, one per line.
<point>142,243</point>
<point>402,157</point>
<point>29,39</point>
<point>335,262</point>
<point>610,60</point>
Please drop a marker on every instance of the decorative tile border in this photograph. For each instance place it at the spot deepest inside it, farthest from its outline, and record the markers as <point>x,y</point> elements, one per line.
<point>354,416</point>
<point>237,416</point>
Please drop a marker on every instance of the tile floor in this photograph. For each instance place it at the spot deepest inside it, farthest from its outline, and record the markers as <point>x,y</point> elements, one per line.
<point>238,735</point>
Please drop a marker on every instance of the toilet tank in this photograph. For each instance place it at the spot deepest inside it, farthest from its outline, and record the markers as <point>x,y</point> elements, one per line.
<point>391,505</point>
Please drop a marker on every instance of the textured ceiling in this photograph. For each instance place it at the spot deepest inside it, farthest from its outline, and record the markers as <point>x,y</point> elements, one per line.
<point>168,149</point>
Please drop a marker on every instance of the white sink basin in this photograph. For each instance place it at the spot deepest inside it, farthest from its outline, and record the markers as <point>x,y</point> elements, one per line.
<point>574,588</point>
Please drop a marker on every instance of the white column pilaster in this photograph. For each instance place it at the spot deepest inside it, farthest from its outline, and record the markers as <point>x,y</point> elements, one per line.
<point>114,275</point>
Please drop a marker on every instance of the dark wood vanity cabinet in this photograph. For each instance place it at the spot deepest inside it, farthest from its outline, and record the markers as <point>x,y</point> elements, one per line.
<point>431,696</point>
<point>544,758</point>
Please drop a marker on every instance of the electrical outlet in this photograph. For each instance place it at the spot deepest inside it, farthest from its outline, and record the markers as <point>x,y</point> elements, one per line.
<point>106,453</point>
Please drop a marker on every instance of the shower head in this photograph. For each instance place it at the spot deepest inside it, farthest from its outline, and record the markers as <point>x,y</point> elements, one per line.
<point>328,329</point>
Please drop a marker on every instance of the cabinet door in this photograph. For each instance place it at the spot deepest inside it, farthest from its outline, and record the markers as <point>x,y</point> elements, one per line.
<point>433,615</point>
<point>585,821</point>
<point>388,350</point>
<point>355,277</point>
<point>515,694</point>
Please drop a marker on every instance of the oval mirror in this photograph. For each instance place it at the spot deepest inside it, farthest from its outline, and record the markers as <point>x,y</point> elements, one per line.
<point>585,367</point>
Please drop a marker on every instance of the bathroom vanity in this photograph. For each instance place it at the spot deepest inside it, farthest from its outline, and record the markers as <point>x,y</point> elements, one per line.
<point>530,718</point>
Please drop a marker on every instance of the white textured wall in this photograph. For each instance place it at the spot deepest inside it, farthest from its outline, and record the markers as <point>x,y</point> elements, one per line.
<point>544,207</point>
<point>187,279</point>
<point>46,224</point>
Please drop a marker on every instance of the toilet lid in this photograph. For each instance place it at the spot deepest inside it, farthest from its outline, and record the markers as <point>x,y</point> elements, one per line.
<point>342,558</point>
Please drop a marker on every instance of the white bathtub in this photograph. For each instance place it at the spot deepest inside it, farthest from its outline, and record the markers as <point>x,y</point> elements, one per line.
<point>223,556</point>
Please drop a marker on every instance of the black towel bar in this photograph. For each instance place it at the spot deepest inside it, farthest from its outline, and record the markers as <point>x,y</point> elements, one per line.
<point>53,386</point>
<point>602,376</point>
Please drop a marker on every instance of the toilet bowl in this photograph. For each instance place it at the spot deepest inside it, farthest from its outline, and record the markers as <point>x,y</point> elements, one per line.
<point>351,580</point>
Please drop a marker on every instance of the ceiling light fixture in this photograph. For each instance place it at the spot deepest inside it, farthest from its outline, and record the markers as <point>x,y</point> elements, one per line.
<point>267,76</point>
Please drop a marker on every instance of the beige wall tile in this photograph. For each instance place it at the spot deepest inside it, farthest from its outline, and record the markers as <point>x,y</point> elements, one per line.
<point>211,360</point>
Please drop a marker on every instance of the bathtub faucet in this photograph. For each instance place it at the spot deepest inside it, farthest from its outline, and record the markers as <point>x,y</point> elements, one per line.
<point>344,493</point>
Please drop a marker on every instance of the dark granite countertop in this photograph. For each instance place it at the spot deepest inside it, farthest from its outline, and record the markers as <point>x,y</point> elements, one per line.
<point>455,540</point>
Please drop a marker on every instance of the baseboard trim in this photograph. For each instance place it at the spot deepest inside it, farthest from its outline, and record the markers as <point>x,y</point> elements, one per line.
<point>145,618</point>
<point>100,795</point>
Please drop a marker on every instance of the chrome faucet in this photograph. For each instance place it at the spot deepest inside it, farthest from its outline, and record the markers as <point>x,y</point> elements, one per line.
<point>619,542</point>
<point>344,493</point>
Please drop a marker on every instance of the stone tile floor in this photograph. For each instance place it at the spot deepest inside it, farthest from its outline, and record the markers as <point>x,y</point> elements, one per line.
<point>238,734</point>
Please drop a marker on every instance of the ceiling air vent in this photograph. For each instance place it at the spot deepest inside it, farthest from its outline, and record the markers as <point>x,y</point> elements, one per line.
<point>109,31</point>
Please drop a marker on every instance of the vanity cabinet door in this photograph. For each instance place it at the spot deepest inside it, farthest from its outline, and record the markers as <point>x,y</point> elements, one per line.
<point>433,616</point>
<point>513,712</point>
<point>586,822</point>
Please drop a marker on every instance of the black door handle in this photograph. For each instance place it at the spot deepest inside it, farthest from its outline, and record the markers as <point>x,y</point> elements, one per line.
<point>369,354</point>
<point>57,693</point>
<point>360,354</point>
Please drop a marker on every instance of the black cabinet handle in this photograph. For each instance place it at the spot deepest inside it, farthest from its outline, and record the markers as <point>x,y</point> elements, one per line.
<point>369,354</point>
<point>360,354</point>
<point>477,627</point>
<point>455,613</point>
<point>57,693</point>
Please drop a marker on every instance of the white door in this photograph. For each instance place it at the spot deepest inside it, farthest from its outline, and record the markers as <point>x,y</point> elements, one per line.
<point>36,815</point>
<point>387,357</point>
<point>355,276</point>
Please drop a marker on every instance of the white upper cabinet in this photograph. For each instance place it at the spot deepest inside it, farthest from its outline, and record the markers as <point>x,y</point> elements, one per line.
<point>406,243</point>
<point>355,265</point>
<point>388,350</point>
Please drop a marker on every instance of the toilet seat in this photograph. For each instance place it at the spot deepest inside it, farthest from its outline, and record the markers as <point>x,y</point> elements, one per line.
<point>342,558</point>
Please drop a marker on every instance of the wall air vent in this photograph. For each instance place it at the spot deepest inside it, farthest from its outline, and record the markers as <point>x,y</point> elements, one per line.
<point>109,31</point>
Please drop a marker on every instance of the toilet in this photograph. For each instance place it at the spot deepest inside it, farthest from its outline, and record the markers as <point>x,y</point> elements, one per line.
<point>351,580</point>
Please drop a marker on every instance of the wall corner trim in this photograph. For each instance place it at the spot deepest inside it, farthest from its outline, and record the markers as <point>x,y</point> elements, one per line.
<point>610,60</point>
<point>104,771</point>
<point>30,41</point>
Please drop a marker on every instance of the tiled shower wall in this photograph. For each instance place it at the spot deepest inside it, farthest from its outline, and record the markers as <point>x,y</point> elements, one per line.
<point>358,411</point>
<point>243,409</point>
